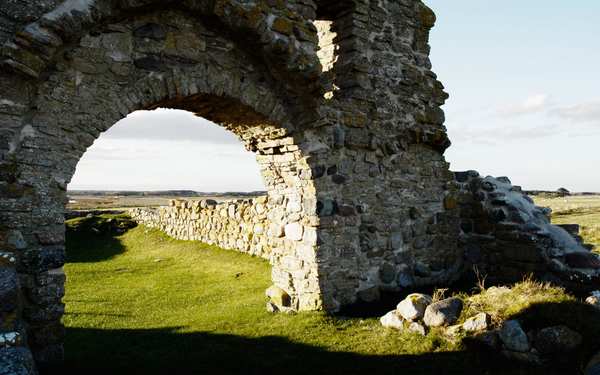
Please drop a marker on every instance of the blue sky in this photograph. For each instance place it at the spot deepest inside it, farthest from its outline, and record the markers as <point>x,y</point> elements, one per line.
<point>524,85</point>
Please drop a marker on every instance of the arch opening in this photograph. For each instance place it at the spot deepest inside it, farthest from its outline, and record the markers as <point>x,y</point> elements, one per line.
<point>162,150</point>
<point>116,70</point>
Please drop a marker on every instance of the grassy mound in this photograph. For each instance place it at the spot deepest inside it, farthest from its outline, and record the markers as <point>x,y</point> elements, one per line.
<point>503,303</point>
<point>141,302</point>
<point>539,305</point>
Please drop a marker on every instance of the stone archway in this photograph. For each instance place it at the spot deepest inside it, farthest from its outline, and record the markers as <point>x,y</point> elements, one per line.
<point>352,145</point>
<point>360,171</point>
<point>153,59</point>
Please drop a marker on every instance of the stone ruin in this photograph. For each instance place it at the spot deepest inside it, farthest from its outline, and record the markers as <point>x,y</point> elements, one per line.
<point>336,99</point>
<point>505,236</point>
<point>243,225</point>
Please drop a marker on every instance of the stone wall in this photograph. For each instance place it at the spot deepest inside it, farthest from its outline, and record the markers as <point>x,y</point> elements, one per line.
<point>240,225</point>
<point>506,237</point>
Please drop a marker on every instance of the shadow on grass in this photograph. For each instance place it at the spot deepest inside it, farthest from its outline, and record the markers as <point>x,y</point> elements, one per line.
<point>94,239</point>
<point>83,248</point>
<point>580,317</point>
<point>164,351</point>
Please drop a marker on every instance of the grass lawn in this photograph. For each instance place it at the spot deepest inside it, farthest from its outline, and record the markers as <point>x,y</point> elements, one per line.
<point>582,210</point>
<point>143,303</point>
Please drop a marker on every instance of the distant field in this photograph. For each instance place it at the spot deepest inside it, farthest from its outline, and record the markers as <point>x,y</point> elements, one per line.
<point>582,210</point>
<point>94,202</point>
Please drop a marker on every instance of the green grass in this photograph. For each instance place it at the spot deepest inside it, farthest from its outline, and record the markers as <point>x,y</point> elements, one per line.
<point>582,210</point>
<point>503,303</point>
<point>141,302</point>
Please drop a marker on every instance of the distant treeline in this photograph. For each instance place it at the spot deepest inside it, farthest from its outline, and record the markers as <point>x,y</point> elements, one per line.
<point>163,193</point>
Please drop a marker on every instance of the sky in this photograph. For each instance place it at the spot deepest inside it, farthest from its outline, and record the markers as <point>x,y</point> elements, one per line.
<point>167,150</point>
<point>524,85</point>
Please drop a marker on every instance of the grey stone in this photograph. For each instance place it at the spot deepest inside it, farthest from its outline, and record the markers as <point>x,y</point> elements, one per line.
<point>327,207</point>
<point>16,361</point>
<point>526,357</point>
<point>583,260</point>
<point>444,312</point>
<point>594,299</point>
<point>339,179</point>
<point>453,330</point>
<point>387,273</point>
<point>422,269</point>
<point>371,294</point>
<point>528,240</point>
<point>272,308</point>
<point>488,338</point>
<point>294,231</point>
<point>152,63</point>
<point>339,137</point>
<point>150,30</point>
<point>278,296</point>
<point>417,328</point>
<point>8,289</point>
<point>392,320</point>
<point>10,339</point>
<point>479,322</point>
<point>15,240</point>
<point>346,210</point>
<point>397,241</point>
<point>404,277</point>
<point>413,306</point>
<point>513,337</point>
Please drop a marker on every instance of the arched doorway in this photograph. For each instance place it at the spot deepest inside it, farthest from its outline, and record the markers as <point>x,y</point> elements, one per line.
<point>172,60</point>
<point>358,175</point>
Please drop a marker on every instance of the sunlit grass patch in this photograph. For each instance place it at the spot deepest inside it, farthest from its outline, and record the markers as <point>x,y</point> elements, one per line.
<point>582,210</point>
<point>142,302</point>
<point>170,292</point>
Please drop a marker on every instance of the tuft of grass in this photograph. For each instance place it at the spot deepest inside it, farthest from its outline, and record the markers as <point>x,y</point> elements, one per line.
<point>501,303</point>
<point>439,294</point>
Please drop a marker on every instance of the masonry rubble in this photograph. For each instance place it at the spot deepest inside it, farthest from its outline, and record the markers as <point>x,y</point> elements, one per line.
<point>506,236</point>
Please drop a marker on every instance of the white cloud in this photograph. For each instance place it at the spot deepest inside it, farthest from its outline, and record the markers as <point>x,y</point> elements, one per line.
<point>546,119</point>
<point>532,104</point>
<point>582,112</point>
<point>170,125</point>
<point>150,164</point>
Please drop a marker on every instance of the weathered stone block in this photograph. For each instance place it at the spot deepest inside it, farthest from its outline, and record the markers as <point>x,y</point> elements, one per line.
<point>16,361</point>
<point>8,289</point>
<point>294,231</point>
